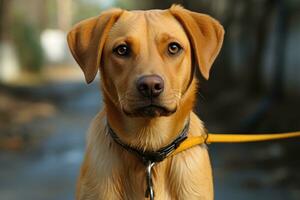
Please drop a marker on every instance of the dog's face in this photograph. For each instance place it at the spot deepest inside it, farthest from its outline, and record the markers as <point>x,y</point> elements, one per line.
<point>146,57</point>
<point>147,64</point>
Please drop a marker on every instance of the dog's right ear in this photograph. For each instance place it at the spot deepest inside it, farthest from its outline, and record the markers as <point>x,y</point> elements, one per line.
<point>86,41</point>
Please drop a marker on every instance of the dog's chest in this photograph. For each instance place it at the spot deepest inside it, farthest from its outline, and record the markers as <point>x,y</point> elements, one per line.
<point>134,178</point>
<point>185,177</point>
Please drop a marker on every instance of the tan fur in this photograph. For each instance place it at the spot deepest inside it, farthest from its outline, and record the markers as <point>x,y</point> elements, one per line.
<point>110,172</point>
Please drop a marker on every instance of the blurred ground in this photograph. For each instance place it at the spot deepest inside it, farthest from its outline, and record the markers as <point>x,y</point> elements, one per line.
<point>42,138</point>
<point>43,130</point>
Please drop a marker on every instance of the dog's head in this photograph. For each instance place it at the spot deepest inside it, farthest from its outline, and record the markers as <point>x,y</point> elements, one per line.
<point>146,58</point>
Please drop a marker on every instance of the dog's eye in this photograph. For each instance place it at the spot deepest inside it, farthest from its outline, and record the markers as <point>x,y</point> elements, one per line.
<point>122,50</point>
<point>174,48</point>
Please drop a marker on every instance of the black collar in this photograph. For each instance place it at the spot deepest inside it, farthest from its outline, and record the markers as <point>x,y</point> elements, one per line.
<point>152,156</point>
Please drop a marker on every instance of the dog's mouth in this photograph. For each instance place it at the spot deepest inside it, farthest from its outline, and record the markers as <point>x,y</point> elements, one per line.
<point>151,110</point>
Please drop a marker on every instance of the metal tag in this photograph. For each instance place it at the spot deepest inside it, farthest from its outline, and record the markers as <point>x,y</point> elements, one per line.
<point>149,182</point>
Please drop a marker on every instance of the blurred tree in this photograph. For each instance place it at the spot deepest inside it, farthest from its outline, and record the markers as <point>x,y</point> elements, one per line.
<point>262,31</point>
<point>28,21</point>
<point>280,49</point>
<point>84,9</point>
<point>64,14</point>
<point>5,19</point>
<point>9,66</point>
<point>27,41</point>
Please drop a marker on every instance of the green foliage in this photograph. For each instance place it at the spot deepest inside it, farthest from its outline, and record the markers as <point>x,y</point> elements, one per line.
<point>85,10</point>
<point>27,41</point>
<point>126,4</point>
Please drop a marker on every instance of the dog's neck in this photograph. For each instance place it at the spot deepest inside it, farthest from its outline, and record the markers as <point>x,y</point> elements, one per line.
<point>149,133</point>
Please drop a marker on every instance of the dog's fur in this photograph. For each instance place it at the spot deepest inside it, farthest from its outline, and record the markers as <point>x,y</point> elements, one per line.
<point>109,171</point>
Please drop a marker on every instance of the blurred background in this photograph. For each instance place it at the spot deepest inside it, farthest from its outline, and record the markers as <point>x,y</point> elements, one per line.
<point>46,107</point>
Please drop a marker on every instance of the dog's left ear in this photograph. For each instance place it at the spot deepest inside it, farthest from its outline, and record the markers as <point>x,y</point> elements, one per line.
<point>86,41</point>
<point>205,34</point>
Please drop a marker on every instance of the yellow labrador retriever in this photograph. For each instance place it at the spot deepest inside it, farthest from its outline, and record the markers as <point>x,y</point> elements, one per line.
<point>146,60</point>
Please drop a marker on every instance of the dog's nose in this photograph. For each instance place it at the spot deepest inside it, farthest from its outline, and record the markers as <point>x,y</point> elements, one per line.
<point>150,86</point>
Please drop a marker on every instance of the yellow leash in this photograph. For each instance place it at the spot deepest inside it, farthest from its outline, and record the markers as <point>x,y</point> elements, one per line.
<point>231,138</point>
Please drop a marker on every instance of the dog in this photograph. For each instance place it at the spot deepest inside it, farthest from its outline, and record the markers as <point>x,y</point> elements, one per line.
<point>147,62</point>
